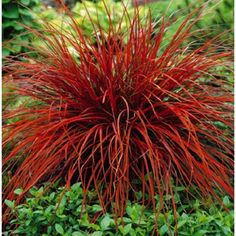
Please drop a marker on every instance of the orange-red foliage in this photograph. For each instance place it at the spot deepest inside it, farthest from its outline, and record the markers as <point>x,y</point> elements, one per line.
<point>126,110</point>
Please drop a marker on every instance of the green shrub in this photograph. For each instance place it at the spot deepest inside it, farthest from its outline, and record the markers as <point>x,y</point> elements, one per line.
<point>83,11</point>
<point>21,11</point>
<point>15,14</point>
<point>38,216</point>
<point>217,17</point>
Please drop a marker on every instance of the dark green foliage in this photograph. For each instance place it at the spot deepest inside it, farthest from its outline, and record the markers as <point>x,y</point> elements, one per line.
<point>14,35</point>
<point>37,216</point>
<point>217,18</point>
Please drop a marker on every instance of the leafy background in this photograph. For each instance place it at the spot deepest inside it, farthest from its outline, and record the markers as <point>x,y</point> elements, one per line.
<point>32,12</point>
<point>38,216</point>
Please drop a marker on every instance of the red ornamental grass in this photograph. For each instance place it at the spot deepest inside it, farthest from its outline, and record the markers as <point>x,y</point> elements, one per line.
<point>126,110</point>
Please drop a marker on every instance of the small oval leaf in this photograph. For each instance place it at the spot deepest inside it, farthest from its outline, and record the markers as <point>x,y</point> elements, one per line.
<point>59,229</point>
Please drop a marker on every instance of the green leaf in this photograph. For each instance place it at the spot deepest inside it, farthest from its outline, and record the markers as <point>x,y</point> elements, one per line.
<point>52,196</point>
<point>96,208</point>
<point>35,1</point>
<point>27,222</point>
<point>212,210</point>
<point>25,2</point>
<point>106,221</point>
<point>201,232</point>
<point>25,12</point>
<point>12,23</point>
<point>18,191</point>
<point>77,233</point>
<point>127,229</point>
<point>139,195</point>
<point>226,230</point>
<point>16,48</point>
<point>184,216</point>
<point>134,211</point>
<point>9,203</point>
<point>161,219</point>
<point>98,233</point>
<point>40,191</point>
<point>59,229</point>
<point>163,229</point>
<point>17,26</point>
<point>127,220</point>
<point>226,201</point>
<point>10,11</point>
<point>76,187</point>
<point>129,210</point>
<point>6,1</point>
<point>180,188</point>
<point>181,223</point>
<point>5,52</point>
<point>33,191</point>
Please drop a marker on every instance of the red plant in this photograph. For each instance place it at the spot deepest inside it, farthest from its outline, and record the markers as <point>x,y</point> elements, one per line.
<point>126,109</point>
